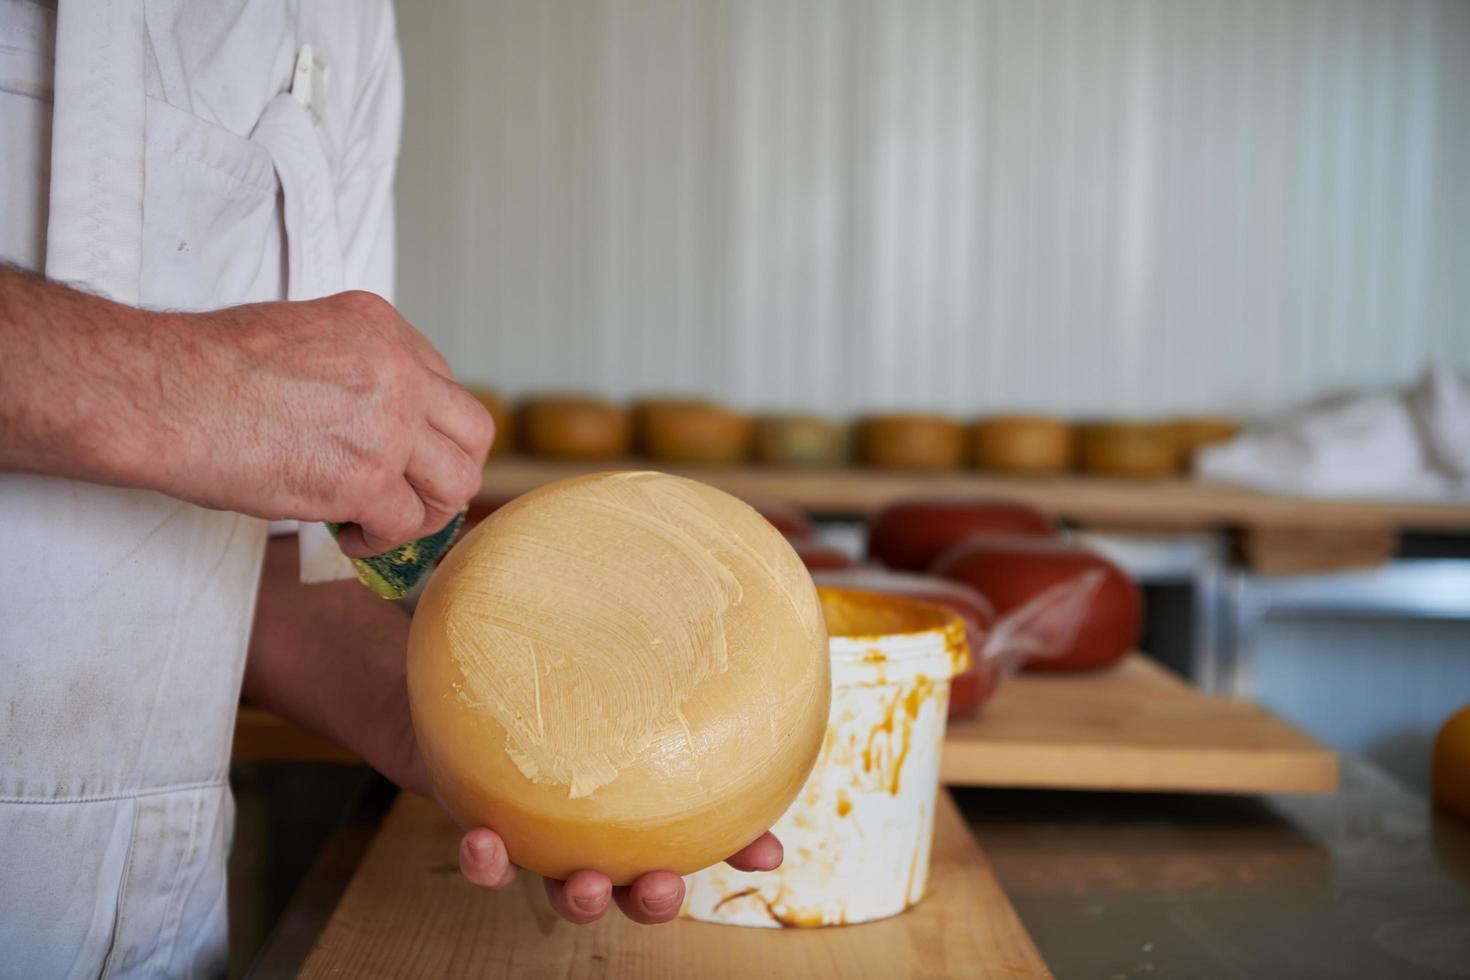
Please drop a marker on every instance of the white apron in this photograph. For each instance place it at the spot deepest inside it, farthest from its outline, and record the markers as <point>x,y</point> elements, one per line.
<point>163,143</point>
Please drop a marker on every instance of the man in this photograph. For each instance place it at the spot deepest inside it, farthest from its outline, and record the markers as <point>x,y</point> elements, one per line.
<point>202,196</point>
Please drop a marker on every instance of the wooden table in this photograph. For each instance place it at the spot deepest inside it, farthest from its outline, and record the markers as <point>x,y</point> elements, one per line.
<point>408,913</point>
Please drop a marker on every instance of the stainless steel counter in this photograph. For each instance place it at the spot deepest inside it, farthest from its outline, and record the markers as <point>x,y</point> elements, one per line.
<point>1365,883</point>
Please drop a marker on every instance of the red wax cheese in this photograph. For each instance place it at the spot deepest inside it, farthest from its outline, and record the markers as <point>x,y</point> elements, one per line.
<point>818,557</point>
<point>909,534</point>
<point>1012,570</point>
<point>790,521</point>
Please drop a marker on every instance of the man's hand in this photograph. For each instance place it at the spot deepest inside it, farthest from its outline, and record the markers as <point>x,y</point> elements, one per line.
<point>348,413</point>
<point>652,898</point>
<point>335,409</point>
<point>331,658</point>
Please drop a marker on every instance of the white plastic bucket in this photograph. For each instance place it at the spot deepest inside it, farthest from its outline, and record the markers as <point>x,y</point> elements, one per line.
<point>858,836</point>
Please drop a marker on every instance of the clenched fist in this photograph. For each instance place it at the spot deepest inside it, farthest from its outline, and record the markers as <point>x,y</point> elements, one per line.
<point>331,410</point>
<point>335,409</point>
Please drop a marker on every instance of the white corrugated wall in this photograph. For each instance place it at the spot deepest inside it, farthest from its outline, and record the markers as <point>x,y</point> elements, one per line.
<point>1073,206</point>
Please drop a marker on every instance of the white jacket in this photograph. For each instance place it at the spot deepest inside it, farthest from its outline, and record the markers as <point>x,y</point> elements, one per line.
<point>163,160</point>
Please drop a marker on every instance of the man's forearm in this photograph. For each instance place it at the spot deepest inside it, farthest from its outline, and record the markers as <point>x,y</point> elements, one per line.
<point>331,658</point>
<point>83,381</point>
<point>333,409</point>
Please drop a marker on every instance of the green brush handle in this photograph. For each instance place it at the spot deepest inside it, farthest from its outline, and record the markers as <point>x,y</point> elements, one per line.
<point>393,573</point>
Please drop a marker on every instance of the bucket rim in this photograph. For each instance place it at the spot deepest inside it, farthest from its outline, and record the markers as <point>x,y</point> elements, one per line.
<point>937,633</point>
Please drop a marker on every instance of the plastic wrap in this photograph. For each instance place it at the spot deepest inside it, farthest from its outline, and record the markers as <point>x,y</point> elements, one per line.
<point>999,645</point>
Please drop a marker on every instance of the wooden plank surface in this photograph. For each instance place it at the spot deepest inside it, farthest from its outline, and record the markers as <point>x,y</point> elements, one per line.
<point>1295,551</point>
<point>1133,727</point>
<point>1172,504</point>
<point>408,913</point>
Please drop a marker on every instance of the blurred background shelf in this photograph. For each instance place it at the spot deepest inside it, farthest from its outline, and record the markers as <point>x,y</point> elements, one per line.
<point>1093,502</point>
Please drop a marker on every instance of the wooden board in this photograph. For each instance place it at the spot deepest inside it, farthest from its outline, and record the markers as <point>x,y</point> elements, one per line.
<point>1295,551</point>
<point>1170,504</point>
<point>1133,727</point>
<point>408,913</point>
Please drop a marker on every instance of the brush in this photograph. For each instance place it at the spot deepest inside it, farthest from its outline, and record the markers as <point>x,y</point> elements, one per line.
<point>394,573</point>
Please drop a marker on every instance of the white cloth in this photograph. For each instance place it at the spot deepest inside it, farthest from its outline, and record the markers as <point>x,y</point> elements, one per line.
<point>134,170</point>
<point>1401,446</point>
<point>1441,405</point>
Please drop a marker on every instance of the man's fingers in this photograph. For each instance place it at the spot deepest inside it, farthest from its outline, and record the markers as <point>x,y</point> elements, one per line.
<point>483,861</point>
<point>444,478</point>
<point>580,899</point>
<point>762,854</point>
<point>460,416</point>
<point>349,539</point>
<point>439,479</point>
<point>395,519</point>
<point>584,897</point>
<point>652,898</point>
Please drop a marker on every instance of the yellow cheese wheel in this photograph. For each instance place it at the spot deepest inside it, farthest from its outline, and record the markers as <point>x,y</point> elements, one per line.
<point>1193,433</point>
<point>573,427</point>
<point>1131,449</point>
<point>690,432</point>
<point>504,416</point>
<point>911,442</point>
<point>622,672</point>
<point>801,440</point>
<point>1033,445</point>
<point>1451,770</point>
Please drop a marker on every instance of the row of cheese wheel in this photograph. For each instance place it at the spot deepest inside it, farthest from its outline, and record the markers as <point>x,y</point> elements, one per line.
<point>700,433</point>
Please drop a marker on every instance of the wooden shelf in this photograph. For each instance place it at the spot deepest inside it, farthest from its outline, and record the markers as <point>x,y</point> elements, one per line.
<point>408,913</point>
<point>1164,505</point>
<point>1133,727</point>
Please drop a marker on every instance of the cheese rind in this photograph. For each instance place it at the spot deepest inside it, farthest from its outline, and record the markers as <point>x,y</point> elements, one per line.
<point>625,671</point>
